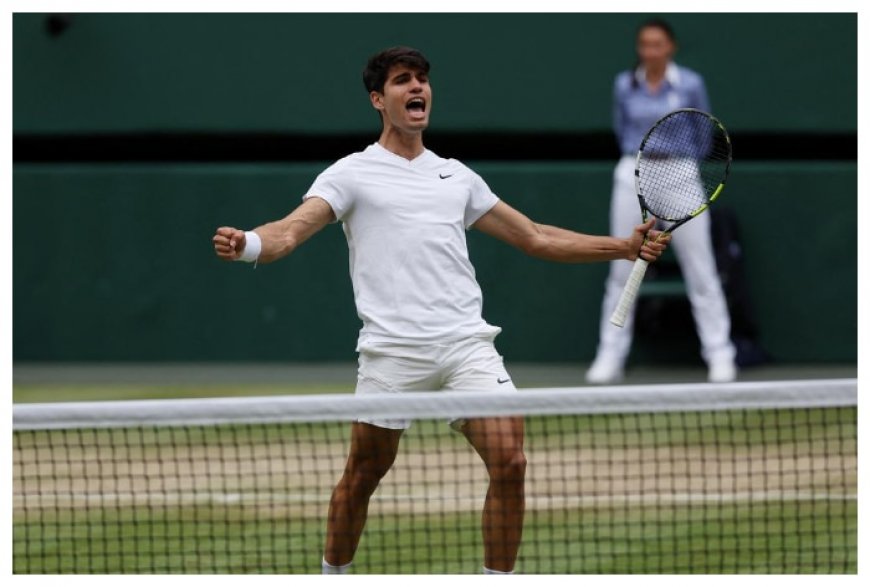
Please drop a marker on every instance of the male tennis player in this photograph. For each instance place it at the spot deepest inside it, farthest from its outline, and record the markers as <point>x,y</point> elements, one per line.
<point>404,212</point>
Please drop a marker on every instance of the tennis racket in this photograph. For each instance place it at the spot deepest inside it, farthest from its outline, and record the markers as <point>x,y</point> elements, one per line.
<point>681,169</point>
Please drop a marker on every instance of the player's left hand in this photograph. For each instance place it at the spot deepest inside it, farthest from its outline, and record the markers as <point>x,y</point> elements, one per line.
<point>655,244</point>
<point>649,243</point>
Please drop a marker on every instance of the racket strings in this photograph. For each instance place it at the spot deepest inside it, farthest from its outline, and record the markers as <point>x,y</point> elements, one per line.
<point>683,161</point>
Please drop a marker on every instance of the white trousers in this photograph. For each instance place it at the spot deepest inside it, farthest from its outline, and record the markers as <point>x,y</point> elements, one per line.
<point>693,248</point>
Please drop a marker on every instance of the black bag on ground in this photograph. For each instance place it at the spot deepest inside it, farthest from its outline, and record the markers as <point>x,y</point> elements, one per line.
<point>730,263</point>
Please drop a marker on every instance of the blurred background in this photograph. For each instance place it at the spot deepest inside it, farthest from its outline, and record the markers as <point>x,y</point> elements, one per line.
<point>136,135</point>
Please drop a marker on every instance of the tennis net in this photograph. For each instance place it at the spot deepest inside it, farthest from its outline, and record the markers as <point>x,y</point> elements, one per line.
<point>735,478</point>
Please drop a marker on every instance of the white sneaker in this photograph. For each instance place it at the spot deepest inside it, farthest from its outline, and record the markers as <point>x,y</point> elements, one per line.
<point>604,370</point>
<point>722,372</point>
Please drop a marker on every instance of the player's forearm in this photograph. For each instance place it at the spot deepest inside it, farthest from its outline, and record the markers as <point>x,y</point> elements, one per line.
<point>565,246</point>
<point>282,237</point>
<point>277,242</point>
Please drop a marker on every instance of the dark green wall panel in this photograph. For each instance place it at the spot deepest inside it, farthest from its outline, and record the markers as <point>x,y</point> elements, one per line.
<point>301,72</point>
<point>114,262</point>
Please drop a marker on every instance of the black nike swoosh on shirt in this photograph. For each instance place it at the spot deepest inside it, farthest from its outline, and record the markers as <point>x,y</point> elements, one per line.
<point>500,381</point>
<point>445,176</point>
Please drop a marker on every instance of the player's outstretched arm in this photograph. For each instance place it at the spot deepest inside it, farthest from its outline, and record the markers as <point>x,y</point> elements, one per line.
<point>278,239</point>
<point>557,244</point>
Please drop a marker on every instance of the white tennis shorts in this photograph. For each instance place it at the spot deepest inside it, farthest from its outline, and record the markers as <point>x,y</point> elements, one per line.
<point>471,364</point>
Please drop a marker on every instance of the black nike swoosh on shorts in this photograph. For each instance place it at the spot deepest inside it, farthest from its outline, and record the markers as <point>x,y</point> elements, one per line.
<point>500,381</point>
<point>445,176</point>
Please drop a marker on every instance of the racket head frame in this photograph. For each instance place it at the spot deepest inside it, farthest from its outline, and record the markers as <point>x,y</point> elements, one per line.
<point>675,223</point>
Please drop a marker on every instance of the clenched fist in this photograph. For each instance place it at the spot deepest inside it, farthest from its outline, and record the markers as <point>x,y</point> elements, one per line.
<point>229,243</point>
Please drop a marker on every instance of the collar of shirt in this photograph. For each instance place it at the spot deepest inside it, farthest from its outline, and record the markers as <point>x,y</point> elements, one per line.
<point>379,150</point>
<point>672,75</point>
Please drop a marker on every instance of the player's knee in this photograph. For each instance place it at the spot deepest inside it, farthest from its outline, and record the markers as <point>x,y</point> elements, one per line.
<point>509,469</point>
<point>364,474</point>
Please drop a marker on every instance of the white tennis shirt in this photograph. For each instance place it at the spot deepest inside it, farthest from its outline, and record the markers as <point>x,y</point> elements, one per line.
<point>405,225</point>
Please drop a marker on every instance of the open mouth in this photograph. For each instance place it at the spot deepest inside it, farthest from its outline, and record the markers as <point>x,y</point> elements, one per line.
<point>416,106</point>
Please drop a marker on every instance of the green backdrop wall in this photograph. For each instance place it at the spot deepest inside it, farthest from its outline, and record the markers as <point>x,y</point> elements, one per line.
<point>302,72</point>
<point>114,262</point>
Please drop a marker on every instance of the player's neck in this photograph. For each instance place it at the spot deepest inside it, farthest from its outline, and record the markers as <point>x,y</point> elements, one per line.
<point>407,145</point>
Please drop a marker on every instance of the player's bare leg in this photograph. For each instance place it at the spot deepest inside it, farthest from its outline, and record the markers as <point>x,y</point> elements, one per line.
<point>499,442</point>
<point>372,452</point>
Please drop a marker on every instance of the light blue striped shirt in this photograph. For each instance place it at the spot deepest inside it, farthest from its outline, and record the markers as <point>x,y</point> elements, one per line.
<point>636,109</point>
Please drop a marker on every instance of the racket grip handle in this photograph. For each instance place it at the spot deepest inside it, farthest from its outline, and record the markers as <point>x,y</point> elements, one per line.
<point>629,293</point>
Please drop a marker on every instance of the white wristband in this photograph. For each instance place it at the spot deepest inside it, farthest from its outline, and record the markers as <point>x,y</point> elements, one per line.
<point>253,246</point>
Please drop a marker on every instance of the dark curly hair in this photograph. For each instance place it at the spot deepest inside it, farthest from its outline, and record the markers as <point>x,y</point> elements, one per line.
<point>378,66</point>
